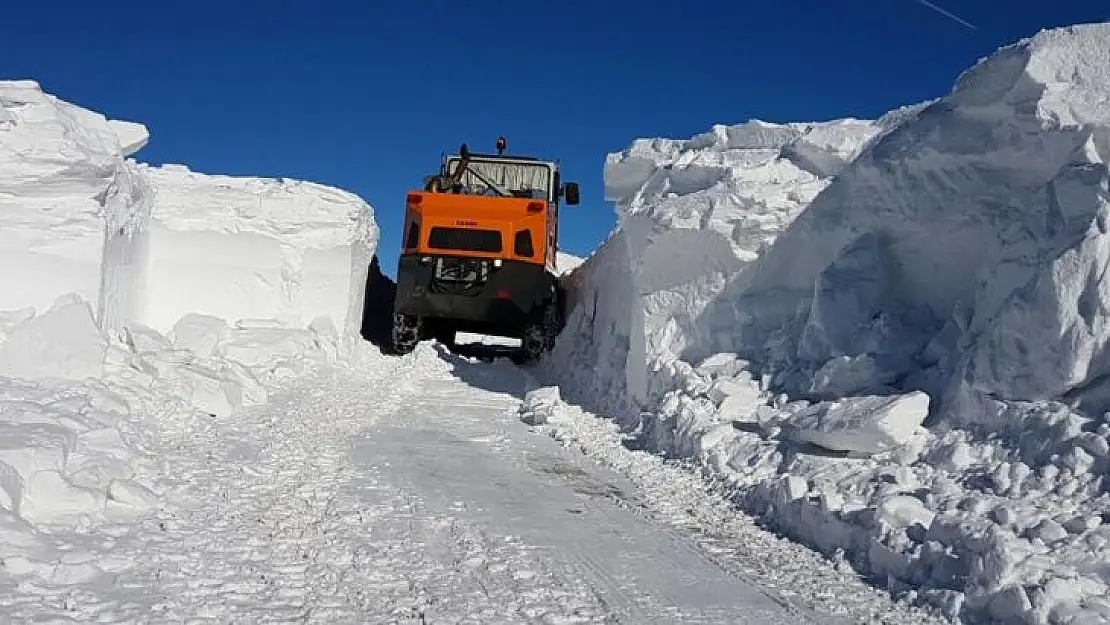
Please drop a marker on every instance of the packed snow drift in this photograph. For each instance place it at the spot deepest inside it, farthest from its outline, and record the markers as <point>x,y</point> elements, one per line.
<point>890,337</point>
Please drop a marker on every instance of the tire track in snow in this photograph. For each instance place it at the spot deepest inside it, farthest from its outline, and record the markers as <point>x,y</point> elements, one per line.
<point>675,494</point>
<point>478,456</point>
<point>274,522</point>
<point>396,492</point>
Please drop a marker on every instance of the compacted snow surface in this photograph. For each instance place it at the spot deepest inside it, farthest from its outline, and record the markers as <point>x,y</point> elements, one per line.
<point>397,490</point>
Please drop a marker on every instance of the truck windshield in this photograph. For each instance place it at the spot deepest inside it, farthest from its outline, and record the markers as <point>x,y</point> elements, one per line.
<point>512,178</point>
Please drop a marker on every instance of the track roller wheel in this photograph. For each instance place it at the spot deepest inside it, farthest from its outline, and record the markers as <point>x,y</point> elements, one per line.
<point>539,336</point>
<point>406,333</point>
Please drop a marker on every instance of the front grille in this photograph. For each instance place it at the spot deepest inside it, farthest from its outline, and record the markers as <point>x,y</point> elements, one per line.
<point>460,276</point>
<point>464,239</point>
<point>470,270</point>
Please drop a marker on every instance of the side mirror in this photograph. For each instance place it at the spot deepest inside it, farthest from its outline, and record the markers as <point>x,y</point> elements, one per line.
<point>570,191</point>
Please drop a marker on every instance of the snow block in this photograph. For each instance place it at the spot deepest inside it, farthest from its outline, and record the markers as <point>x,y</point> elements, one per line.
<point>697,211</point>
<point>249,248</point>
<point>63,343</point>
<point>865,425</point>
<point>691,213</point>
<point>201,334</point>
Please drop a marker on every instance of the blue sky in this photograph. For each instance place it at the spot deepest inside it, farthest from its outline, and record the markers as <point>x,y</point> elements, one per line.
<point>365,95</point>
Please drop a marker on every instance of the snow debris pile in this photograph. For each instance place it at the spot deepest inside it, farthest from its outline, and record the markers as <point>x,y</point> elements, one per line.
<point>77,413</point>
<point>136,295</point>
<point>897,355</point>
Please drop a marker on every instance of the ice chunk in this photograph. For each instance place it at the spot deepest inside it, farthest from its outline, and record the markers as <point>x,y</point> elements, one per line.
<point>867,425</point>
<point>132,493</point>
<point>201,334</point>
<point>143,339</point>
<point>539,404</point>
<point>903,511</point>
<point>62,343</point>
<point>721,365</point>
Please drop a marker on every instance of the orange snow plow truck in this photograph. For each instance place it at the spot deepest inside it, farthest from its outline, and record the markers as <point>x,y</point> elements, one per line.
<point>479,253</point>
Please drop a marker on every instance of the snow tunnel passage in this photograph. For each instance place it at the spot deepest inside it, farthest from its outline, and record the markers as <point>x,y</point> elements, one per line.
<point>377,309</point>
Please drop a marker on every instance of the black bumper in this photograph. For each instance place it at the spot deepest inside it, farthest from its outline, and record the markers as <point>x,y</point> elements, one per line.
<point>503,303</point>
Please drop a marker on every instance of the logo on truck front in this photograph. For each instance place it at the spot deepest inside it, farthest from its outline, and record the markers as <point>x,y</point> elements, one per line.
<point>463,222</point>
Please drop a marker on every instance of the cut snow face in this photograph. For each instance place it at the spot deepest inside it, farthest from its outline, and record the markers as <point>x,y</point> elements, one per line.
<point>149,245</point>
<point>64,183</point>
<point>249,248</point>
<point>791,321</point>
<point>690,214</point>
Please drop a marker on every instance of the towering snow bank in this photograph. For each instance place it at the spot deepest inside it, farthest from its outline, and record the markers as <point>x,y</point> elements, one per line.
<point>134,297</point>
<point>961,253</point>
<point>696,211</point>
<point>691,213</point>
<point>153,244</point>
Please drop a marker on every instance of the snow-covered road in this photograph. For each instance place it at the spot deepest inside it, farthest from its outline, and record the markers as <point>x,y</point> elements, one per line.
<point>576,546</point>
<point>400,491</point>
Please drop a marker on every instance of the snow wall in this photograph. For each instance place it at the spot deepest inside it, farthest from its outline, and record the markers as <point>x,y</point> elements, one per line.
<point>691,214</point>
<point>888,337</point>
<point>139,298</point>
<point>151,244</point>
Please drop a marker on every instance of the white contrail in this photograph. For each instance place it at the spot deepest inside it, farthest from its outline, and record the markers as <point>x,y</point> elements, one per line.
<point>948,14</point>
